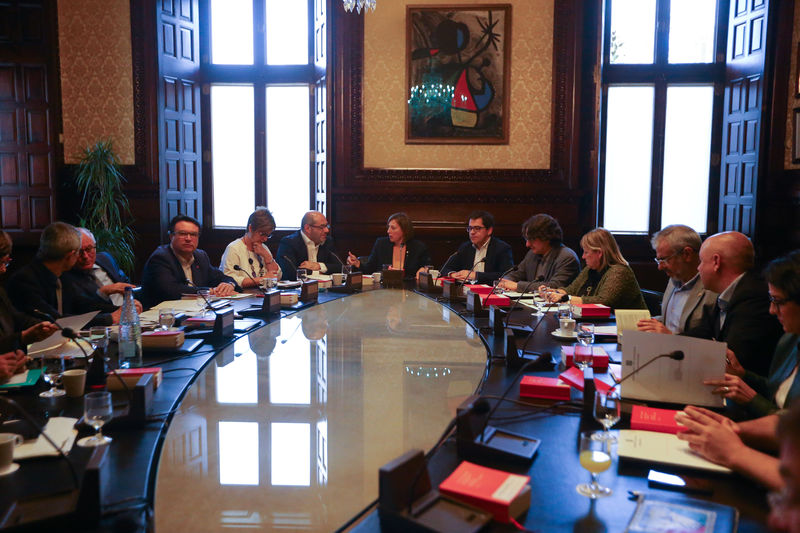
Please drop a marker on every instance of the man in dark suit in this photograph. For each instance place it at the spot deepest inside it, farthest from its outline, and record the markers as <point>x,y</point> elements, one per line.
<point>685,299</point>
<point>96,274</point>
<point>38,286</point>
<point>496,254</point>
<point>181,268</point>
<point>741,316</point>
<point>309,247</point>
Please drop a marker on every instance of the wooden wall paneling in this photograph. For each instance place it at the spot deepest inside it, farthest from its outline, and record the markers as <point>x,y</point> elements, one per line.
<point>438,200</point>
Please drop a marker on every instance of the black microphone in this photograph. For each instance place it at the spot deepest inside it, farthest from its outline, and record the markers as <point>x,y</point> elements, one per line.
<point>338,259</point>
<point>518,298</point>
<point>478,262</point>
<point>246,273</point>
<point>201,295</point>
<point>45,316</point>
<point>441,270</point>
<point>677,355</point>
<point>291,263</point>
<point>530,335</point>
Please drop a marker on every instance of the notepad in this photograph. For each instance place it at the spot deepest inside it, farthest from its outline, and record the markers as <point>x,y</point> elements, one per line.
<point>24,379</point>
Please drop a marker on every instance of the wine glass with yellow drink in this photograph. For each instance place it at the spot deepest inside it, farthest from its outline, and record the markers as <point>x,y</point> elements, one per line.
<point>595,456</point>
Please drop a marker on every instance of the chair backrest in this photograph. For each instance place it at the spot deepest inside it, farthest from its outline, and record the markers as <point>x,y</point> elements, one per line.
<point>653,301</point>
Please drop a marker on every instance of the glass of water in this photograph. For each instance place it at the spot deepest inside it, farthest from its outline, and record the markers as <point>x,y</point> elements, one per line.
<point>98,336</point>
<point>582,356</point>
<point>97,410</point>
<point>302,274</point>
<point>166,318</point>
<point>586,333</point>
<point>607,411</point>
<point>52,368</point>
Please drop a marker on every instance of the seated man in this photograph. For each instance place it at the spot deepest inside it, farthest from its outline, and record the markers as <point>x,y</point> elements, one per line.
<point>497,254</point>
<point>685,299</point>
<point>180,267</point>
<point>741,316</point>
<point>309,247</point>
<point>37,288</point>
<point>97,275</point>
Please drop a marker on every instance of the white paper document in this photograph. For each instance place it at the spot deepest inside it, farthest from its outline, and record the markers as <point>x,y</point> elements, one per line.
<point>75,322</point>
<point>668,380</point>
<point>61,431</point>
<point>664,448</point>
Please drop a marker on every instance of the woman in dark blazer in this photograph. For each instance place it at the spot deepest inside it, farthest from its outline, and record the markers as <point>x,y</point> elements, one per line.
<point>399,249</point>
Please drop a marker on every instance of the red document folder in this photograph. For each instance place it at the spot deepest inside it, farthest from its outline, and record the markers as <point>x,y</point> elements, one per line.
<point>503,494</point>
<point>599,356</point>
<point>541,387</point>
<point>652,419</point>
<point>591,311</point>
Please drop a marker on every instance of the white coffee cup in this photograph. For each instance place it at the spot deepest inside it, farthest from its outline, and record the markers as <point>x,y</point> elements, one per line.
<point>8,441</point>
<point>434,273</point>
<point>74,382</point>
<point>376,277</point>
<point>338,278</point>
<point>567,326</point>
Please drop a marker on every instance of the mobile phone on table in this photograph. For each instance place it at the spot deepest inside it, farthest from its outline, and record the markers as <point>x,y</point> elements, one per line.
<point>663,480</point>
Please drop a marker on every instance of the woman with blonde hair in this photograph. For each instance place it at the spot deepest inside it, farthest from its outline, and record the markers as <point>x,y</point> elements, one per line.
<point>607,279</point>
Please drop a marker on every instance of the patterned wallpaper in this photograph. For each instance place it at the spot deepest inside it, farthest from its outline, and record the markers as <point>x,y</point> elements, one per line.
<point>384,94</point>
<point>96,86</point>
<point>793,101</point>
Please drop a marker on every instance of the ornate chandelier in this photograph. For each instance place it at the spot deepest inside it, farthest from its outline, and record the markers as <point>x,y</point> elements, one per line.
<point>359,5</point>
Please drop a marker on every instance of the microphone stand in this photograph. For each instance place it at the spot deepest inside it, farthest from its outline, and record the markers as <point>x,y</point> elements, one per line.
<point>291,263</point>
<point>466,279</point>
<point>441,270</point>
<point>246,273</point>
<point>677,355</point>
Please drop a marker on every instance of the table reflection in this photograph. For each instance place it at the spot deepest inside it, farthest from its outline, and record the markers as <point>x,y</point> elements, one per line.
<point>287,428</point>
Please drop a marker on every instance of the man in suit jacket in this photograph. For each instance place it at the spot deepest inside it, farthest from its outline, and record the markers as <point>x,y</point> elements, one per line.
<point>685,299</point>
<point>741,315</point>
<point>39,286</point>
<point>496,254</point>
<point>97,275</point>
<point>181,268</point>
<point>309,247</point>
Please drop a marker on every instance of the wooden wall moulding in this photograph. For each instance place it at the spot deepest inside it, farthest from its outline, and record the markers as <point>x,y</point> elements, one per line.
<point>566,197</point>
<point>349,134</point>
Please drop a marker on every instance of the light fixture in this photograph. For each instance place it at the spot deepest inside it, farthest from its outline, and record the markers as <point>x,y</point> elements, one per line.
<point>359,5</point>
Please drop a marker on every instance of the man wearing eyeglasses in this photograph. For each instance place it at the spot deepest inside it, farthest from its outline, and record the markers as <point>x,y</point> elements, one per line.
<point>309,247</point>
<point>180,267</point>
<point>483,258</point>
<point>97,274</point>
<point>685,299</point>
<point>740,316</point>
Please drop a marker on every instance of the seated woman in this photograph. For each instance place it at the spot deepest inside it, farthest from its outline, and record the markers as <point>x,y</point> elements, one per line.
<point>251,252</point>
<point>399,249</point>
<point>548,262</point>
<point>760,395</point>
<point>17,329</point>
<point>607,278</point>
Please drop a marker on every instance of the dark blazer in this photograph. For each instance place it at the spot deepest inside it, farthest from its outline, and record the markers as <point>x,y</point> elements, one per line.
<point>749,330</point>
<point>85,283</point>
<point>163,278</point>
<point>12,322</point>
<point>417,256</point>
<point>34,287</point>
<point>499,259</point>
<point>294,248</point>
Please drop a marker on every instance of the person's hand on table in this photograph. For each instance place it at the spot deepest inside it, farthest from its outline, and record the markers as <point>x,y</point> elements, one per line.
<point>12,363</point>
<point>507,284</point>
<point>462,275</point>
<point>711,435</point>
<point>310,265</point>
<point>223,289</point>
<point>422,269</point>
<point>554,295</point>
<point>731,387</point>
<point>38,332</point>
<point>353,260</point>
<point>652,325</point>
<point>115,288</point>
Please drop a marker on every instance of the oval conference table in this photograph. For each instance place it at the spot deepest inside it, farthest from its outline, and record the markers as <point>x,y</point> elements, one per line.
<point>285,427</point>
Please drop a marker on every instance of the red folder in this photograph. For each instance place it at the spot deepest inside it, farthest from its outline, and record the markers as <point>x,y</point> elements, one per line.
<point>503,494</point>
<point>599,356</point>
<point>541,387</point>
<point>591,311</point>
<point>652,419</point>
<point>479,289</point>
<point>496,299</point>
<point>572,377</point>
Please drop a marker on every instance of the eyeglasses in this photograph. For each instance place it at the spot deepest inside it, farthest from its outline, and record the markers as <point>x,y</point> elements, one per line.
<point>264,234</point>
<point>470,229</point>
<point>321,226</point>
<point>661,260</point>
<point>87,250</point>
<point>184,234</point>
<point>777,302</point>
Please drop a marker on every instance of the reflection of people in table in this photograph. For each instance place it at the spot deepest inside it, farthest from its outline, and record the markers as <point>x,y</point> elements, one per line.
<point>763,395</point>
<point>607,279</point>
<point>251,253</point>
<point>399,249</point>
<point>314,322</point>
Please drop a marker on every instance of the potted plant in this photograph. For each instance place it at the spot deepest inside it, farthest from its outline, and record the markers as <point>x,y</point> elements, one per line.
<point>104,207</point>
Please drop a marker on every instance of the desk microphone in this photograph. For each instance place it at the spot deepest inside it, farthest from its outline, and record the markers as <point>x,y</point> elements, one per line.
<point>201,295</point>
<point>338,259</point>
<point>291,263</point>
<point>441,270</point>
<point>246,273</point>
<point>677,355</point>
<point>478,262</point>
<point>517,299</point>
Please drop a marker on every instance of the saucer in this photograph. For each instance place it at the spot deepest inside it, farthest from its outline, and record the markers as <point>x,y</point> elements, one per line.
<point>13,467</point>
<point>557,333</point>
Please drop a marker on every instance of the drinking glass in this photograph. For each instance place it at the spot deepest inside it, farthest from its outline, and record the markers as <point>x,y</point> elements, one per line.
<point>98,336</point>
<point>586,333</point>
<point>52,368</point>
<point>166,318</point>
<point>607,408</point>
<point>347,269</point>
<point>595,456</point>
<point>97,410</point>
<point>564,311</point>
<point>582,356</point>
<point>496,288</point>
<point>302,274</point>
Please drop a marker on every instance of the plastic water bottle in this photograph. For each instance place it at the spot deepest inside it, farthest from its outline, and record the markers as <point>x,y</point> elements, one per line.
<point>130,333</point>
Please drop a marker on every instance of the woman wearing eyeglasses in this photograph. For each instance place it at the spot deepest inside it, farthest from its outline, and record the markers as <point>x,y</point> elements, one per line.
<point>761,395</point>
<point>399,249</point>
<point>251,253</point>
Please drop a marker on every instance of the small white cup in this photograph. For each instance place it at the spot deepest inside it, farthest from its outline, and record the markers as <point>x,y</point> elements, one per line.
<point>8,441</point>
<point>376,276</point>
<point>434,273</point>
<point>567,326</point>
<point>338,278</point>
<point>74,382</point>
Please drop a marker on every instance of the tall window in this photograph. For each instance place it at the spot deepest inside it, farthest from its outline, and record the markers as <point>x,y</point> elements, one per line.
<point>662,60</point>
<point>260,69</point>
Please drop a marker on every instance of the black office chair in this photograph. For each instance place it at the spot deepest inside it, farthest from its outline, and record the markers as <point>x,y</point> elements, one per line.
<point>653,301</point>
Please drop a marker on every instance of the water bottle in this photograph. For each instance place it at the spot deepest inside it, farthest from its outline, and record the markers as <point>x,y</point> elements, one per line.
<point>130,333</point>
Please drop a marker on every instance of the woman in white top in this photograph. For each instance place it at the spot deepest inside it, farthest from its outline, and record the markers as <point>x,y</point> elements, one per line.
<point>251,252</point>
